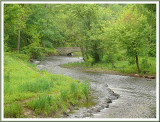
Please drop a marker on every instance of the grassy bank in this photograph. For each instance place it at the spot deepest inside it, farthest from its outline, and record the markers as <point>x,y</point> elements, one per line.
<point>122,67</point>
<point>30,93</point>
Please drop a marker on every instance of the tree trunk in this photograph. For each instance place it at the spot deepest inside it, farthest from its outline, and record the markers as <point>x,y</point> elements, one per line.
<point>43,45</point>
<point>151,25</point>
<point>46,16</point>
<point>82,50</point>
<point>95,54</point>
<point>45,5</point>
<point>139,71</point>
<point>96,57</point>
<point>18,41</point>
<point>110,56</point>
<point>86,52</point>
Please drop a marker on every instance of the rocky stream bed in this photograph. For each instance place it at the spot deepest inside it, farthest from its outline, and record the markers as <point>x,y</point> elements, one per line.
<point>115,96</point>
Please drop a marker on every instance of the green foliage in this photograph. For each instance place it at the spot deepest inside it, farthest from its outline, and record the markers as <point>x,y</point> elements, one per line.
<point>106,58</point>
<point>36,52</point>
<point>85,89</point>
<point>48,44</point>
<point>20,56</point>
<point>144,64</point>
<point>43,104</point>
<point>102,31</point>
<point>15,17</point>
<point>50,51</point>
<point>40,85</point>
<point>13,111</point>
<point>45,94</point>
<point>122,66</point>
<point>131,61</point>
<point>7,77</point>
<point>74,89</point>
<point>64,94</point>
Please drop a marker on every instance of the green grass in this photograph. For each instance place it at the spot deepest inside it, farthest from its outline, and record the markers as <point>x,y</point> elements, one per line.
<point>39,85</point>
<point>77,54</point>
<point>50,51</point>
<point>47,95</point>
<point>122,66</point>
<point>44,105</point>
<point>13,111</point>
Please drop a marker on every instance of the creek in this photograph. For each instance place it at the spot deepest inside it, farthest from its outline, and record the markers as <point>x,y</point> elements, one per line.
<point>115,96</point>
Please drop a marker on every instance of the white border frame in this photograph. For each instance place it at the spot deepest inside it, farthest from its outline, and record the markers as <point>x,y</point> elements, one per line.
<point>82,2</point>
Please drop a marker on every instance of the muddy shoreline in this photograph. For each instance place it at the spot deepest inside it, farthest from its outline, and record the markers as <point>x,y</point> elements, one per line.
<point>113,72</point>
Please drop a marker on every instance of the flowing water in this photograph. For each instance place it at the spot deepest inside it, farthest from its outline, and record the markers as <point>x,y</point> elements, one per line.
<point>115,96</point>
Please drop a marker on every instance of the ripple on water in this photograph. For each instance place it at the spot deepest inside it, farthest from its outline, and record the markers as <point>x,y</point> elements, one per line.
<point>137,95</point>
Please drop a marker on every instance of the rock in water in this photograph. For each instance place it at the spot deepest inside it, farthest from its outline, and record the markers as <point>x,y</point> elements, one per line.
<point>40,67</point>
<point>108,100</point>
<point>36,62</point>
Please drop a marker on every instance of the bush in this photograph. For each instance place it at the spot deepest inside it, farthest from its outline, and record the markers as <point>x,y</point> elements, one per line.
<point>106,58</point>
<point>144,64</point>
<point>49,51</point>
<point>48,44</point>
<point>131,61</point>
<point>89,61</point>
<point>36,52</point>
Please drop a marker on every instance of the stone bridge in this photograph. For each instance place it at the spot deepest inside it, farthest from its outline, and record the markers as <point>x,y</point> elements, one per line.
<point>67,51</point>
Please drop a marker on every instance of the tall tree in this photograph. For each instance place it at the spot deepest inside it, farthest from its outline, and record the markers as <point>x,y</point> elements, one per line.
<point>15,18</point>
<point>133,31</point>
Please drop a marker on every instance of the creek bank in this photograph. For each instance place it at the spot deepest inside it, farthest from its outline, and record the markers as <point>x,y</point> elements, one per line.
<point>101,94</point>
<point>112,72</point>
<point>137,95</point>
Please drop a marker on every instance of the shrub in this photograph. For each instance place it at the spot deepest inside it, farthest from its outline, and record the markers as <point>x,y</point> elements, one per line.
<point>106,58</point>
<point>36,52</point>
<point>49,51</point>
<point>131,61</point>
<point>144,64</point>
<point>48,44</point>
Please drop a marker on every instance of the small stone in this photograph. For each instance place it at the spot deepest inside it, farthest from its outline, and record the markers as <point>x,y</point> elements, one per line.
<point>68,110</point>
<point>145,76</point>
<point>116,95</point>
<point>86,115</point>
<point>31,60</point>
<point>108,100</point>
<point>107,106</point>
<point>36,62</point>
<point>40,67</point>
<point>95,109</point>
<point>136,75</point>
<point>151,77</point>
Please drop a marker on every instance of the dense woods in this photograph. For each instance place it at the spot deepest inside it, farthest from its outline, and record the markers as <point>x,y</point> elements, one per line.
<point>104,32</point>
